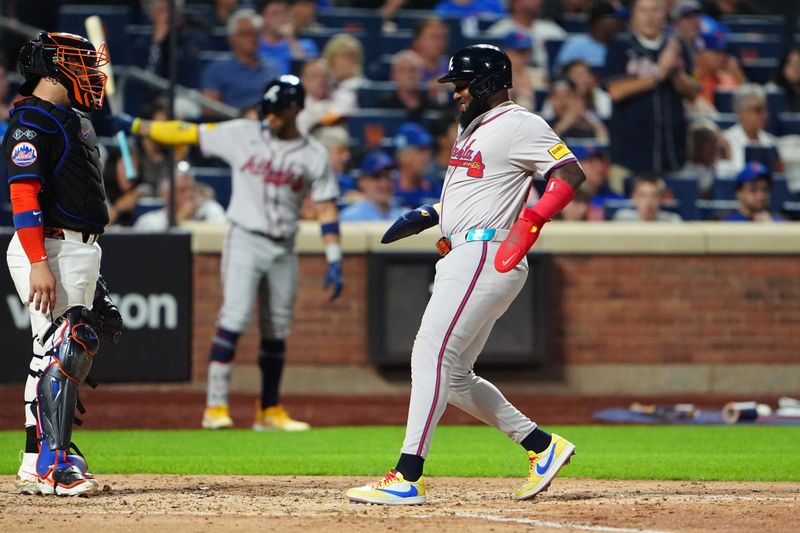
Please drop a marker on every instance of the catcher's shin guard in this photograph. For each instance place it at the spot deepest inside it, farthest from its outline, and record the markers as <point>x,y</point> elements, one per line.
<point>72,345</point>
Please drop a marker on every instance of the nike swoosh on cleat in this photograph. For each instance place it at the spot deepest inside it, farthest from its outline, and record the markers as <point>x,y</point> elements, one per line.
<point>547,464</point>
<point>507,261</point>
<point>411,492</point>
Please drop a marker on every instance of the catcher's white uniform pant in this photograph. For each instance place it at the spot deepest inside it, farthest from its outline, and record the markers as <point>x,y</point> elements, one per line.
<point>469,295</point>
<point>253,264</point>
<point>75,265</point>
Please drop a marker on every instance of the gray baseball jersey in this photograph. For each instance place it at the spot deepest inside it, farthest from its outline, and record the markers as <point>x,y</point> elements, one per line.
<point>490,174</point>
<point>270,179</point>
<point>492,166</point>
<point>270,176</point>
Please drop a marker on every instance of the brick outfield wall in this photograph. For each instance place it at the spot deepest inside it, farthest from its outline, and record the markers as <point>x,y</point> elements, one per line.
<point>606,309</point>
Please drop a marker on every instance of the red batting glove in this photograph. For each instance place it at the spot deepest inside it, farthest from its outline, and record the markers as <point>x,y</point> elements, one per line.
<point>523,234</point>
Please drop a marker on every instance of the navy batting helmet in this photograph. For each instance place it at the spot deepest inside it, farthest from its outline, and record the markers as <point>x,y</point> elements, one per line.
<point>71,60</point>
<point>283,93</point>
<point>486,67</point>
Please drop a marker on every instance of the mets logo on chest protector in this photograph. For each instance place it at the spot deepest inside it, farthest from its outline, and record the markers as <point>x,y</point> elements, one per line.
<point>465,157</point>
<point>24,154</point>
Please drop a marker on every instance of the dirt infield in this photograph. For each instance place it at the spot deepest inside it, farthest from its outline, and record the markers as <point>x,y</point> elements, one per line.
<point>250,503</point>
<point>296,503</point>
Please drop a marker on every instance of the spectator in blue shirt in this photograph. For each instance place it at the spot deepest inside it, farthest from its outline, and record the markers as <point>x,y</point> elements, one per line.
<point>376,184</point>
<point>238,80</point>
<point>604,24</point>
<point>753,188</point>
<point>413,154</point>
<point>278,42</point>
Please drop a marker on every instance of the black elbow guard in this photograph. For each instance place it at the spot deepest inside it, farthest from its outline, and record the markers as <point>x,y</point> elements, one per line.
<point>411,223</point>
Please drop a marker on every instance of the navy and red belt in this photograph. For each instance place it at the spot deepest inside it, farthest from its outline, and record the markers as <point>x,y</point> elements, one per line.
<point>63,234</point>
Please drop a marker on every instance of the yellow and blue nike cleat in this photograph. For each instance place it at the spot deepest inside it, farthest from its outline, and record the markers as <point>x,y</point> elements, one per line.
<point>544,467</point>
<point>391,490</point>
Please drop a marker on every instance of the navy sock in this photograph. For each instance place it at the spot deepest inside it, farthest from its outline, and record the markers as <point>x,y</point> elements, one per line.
<point>537,441</point>
<point>270,360</point>
<point>410,466</point>
<point>223,345</point>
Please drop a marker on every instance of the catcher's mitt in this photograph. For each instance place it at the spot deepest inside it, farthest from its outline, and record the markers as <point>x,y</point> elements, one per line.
<point>108,323</point>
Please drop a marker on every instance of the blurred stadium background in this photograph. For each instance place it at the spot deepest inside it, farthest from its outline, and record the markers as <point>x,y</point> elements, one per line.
<point>700,310</point>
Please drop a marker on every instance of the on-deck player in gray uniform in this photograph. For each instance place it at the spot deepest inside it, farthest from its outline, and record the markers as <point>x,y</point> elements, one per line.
<point>499,149</point>
<point>274,167</point>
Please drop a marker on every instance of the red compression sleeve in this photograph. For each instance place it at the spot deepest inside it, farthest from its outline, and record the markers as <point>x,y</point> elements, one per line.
<point>557,195</point>
<point>25,198</point>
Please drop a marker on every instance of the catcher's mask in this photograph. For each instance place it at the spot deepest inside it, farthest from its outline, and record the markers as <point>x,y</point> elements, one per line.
<point>69,59</point>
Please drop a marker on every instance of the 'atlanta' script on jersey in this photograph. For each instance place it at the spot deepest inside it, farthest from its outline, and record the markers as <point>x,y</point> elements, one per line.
<point>464,157</point>
<point>263,168</point>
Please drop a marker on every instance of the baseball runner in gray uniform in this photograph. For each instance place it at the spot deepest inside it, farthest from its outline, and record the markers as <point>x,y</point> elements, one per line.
<point>483,220</point>
<point>274,167</point>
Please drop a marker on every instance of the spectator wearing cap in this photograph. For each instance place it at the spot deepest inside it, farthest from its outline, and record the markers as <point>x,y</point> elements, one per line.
<point>686,26</point>
<point>752,114</point>
<point>571,119</point>
<point>278,41</point>
<point>753,188</point>
<point>408,94</point>
<point>239,80</point>
<point>715,67</point>
<point>413,154</point>
<point>647,197</point>
<point>597,167</point>
<point>647,81</point>
<point>518,46</point>
<point>605,22</point>
<point>375,183</point>
<point>704,144</point>
<point>526,16</point>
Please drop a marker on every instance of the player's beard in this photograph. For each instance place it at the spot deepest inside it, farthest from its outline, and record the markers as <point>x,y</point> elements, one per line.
<point>474,109</point>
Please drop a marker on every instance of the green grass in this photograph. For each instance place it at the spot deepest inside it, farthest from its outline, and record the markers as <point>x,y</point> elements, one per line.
<point>743,453</point>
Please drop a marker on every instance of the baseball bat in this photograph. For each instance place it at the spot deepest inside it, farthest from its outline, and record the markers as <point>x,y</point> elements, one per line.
<point>96,34</point>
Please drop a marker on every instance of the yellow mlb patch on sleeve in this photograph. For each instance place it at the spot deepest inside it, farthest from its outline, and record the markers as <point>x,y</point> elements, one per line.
<point>559,151</point>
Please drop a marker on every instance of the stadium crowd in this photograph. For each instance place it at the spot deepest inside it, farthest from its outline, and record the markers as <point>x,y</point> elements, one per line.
<point>677,109</point>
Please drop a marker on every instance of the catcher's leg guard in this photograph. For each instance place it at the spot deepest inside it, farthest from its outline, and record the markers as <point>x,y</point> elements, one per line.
<point>72,347</point>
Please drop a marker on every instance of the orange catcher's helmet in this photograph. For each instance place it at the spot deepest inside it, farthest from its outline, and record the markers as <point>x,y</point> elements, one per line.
<point>69,59</point>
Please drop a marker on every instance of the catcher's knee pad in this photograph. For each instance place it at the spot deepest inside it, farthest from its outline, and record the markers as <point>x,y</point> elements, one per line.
<point>73,345</point>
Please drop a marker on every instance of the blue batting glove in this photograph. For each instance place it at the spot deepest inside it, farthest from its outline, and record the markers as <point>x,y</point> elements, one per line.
<point>334,278</point>
<point>122,122</point>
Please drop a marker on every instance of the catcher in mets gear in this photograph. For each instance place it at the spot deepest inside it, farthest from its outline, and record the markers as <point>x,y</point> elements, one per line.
<point>56,188</point>
<point>486,234</point>
<point>274,167</point>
